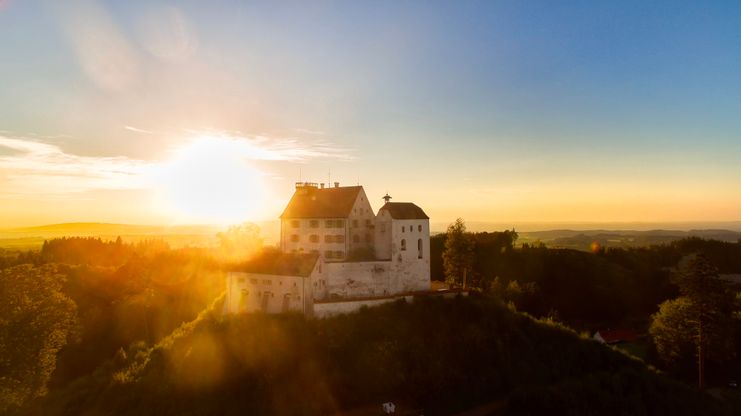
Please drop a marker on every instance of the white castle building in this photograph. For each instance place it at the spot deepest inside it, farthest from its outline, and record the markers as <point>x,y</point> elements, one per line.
<point>336,255</point>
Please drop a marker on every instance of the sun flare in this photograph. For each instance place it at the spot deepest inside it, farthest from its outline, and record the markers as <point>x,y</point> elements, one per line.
<point>210,179</point>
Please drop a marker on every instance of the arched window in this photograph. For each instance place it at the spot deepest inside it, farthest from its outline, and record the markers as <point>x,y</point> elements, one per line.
<point>419,248</point>
<point>403,244</point>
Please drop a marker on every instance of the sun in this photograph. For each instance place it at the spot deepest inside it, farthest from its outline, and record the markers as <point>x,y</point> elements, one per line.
<point>211,180</point>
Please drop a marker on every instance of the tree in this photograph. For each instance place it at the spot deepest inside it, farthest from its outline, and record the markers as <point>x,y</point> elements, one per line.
<point>36,320</point>
<point>699,320</point>
<point>239,242</point>
<point>458,255</point>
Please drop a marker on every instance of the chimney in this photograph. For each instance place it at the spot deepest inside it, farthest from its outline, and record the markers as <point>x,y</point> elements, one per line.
<point>336,184</point>
<point>321,185</point>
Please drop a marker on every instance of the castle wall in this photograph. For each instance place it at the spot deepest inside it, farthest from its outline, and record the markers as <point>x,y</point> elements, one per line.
<point>252,292</point>
<point>360,224</point>
<point>297,235</point>
<point>376,278</point>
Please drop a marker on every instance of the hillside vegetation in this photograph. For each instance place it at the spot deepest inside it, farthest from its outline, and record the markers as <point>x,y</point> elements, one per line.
<point>437,355</point>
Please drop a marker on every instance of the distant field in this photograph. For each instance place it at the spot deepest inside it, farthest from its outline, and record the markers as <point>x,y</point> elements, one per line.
<point>587,239</point>
<point>31,238</point>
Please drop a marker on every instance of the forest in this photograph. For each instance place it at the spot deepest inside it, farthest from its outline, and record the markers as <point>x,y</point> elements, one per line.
<point>112,327</point>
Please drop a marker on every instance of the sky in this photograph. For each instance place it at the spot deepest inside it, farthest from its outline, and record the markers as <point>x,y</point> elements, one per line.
<point>512,112</point>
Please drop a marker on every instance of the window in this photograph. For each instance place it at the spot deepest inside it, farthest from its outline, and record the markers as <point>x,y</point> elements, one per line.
<point>294,238</point>
<point>267,282</point>
<point>314,238</point>
<point>253,281</point>
<point>367,238</point>
<point>328,254</point>
<point>419,228</point>
<point>403,228</point>
<point>355,238</point>
<point>368,223</point>
<point>339,254</point>
<point>419,248</point>
<point>354,223</point>
<point>328,238</point>
<point>340,223</point>
<point>383,227</point>
<point>403,244</point>
<point>314,223</point>
<point>329,223</point>
<point>295,223</point>
<point>339,238</point>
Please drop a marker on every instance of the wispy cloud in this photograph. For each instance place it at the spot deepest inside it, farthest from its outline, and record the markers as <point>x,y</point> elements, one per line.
<point>312,132</point>
<point>41,168</point>
<point>138,130</point>
<point>263,147</point>
<point>30,166</point>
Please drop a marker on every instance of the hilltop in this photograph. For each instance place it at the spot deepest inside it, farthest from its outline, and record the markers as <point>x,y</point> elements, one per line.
<point>437,356</point>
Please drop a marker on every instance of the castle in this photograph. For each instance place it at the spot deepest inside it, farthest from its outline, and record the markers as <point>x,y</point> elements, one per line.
<point>336,255</point>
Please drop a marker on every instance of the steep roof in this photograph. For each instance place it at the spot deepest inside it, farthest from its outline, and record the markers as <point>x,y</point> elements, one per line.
<point>277,263</point>
<point>404,211</point>
<point>309,202</point>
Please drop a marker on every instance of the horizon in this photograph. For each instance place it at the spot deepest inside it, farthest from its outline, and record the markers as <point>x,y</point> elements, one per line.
<point>515,114</point>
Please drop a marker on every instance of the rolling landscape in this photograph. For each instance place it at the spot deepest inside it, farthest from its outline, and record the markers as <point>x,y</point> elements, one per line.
<point>370,208</point>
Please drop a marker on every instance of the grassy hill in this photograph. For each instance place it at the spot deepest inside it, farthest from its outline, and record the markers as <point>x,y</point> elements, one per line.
<point>440,356</point>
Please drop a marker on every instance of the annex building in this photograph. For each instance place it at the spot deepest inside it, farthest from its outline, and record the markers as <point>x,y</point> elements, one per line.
<point>336,255</point>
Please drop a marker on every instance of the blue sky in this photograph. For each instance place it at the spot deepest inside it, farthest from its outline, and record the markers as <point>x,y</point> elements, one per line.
<point>504,111</point>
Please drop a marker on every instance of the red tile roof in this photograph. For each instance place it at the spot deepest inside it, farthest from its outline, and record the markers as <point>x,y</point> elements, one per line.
<point>404,211</point>
<point>309,202</point>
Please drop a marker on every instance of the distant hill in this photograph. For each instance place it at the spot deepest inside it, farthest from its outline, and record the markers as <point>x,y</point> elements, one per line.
<point>584,239</point>
<point>180,235</point>
<point>433,355</point>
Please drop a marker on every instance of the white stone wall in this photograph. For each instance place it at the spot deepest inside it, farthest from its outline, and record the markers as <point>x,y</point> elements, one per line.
<point>342,240</point>
<point>413,265</point>
<point>252,292</point>
<point>376,278</point>
<point>358,279</point>
<point>383,235</point>
<point>361,223</point>
<point>314,227</point>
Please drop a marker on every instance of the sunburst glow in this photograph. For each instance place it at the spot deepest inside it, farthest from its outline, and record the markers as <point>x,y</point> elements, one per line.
<point>210,179</point>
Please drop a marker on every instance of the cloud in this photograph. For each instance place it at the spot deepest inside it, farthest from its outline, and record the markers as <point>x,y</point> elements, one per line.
<point>312,132</point>
<point>41,168</point>
<point>103,52</point>
<point>267,148</point>
<point>138,130</point>
<point>29,166</point>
